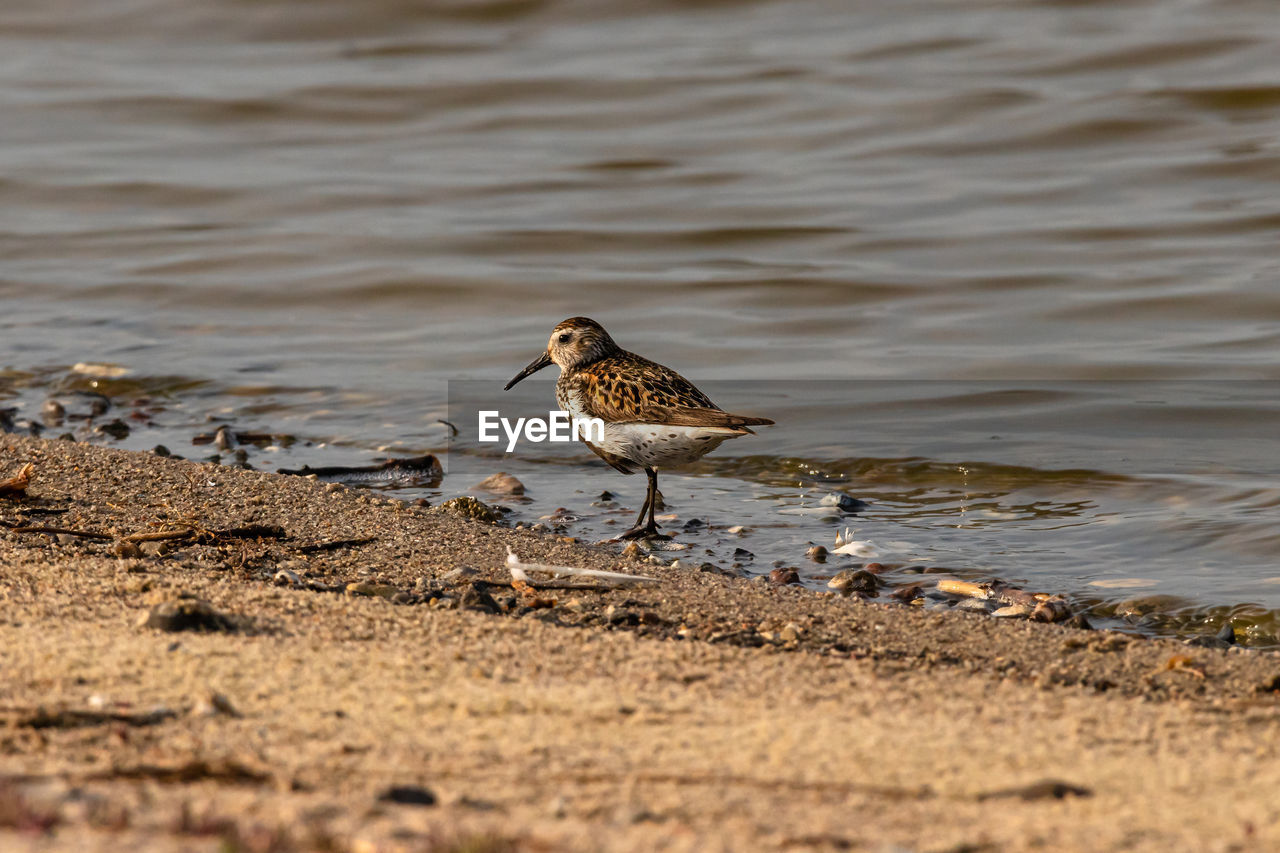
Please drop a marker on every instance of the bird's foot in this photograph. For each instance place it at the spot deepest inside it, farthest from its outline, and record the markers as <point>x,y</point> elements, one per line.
<point>645,532</point>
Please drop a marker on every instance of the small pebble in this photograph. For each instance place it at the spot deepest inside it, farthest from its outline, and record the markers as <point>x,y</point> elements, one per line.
<point>501,483</point>
<point>186,614</point>
<point>213,705</point>
<point>284,577</point>
<point>972,605</point>
<point>408,795</point>
<point>457,575</point>
<point>1053,609</point>
<point>117,429</point>
<point>52,413</point>
<point>817,553</point>
<point>736,530</point>
<point>1011,611</point>
<point>784,576</point>
<point>842,502</point>
<point>155,549</point>
<point>126,550</point>
<point>374,590</point>
<point>469,507</point>
<point>850,581</point>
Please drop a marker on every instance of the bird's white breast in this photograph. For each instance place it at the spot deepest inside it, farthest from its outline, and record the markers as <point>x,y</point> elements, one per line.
<point>651,445</point>
<point>662,446</point>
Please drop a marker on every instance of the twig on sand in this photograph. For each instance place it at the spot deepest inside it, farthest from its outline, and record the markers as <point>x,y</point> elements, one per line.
<point>606,580</point>
<point>335,545</point>
<point>159,535</point>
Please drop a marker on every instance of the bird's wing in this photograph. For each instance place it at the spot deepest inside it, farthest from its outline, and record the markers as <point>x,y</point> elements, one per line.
<point>688,416</point>
<point>630,389</point>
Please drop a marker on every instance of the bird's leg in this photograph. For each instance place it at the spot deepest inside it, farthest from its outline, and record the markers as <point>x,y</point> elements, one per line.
<point>644,508</point>
<point>652,527</point>
<point>636,531</point>
<point>650,530</point>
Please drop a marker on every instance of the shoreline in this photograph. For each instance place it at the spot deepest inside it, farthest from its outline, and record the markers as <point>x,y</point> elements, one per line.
<point>698,712</point>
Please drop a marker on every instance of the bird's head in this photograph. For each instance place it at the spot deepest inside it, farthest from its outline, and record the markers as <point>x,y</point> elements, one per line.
<point>573,343</point>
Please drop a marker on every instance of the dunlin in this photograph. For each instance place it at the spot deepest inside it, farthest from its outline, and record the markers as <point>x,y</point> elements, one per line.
<point>653,417</point>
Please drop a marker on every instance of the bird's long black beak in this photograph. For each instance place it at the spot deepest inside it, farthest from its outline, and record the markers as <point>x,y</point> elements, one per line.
<point>537,364</point>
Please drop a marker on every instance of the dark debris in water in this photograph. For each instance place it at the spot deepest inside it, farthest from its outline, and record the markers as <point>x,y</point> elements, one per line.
<point>414,470</point>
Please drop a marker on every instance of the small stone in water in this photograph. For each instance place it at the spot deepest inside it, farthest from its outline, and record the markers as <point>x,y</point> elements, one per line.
<point>843,502</point>
<point>850,581</point>
<point>743,554</point>
<point>501,483</point>
<point>161,450</point>
<point>1011,611</point>
<point>972,605</point>
<point>907,593</point>
<point>782,577</point>
<point>1053,609</point>
<point>736,530</point>
<point>117,429</point>
<point>817,553</point>
<point>52,413</point>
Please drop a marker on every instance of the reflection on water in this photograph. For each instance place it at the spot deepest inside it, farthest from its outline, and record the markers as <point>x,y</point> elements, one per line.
<point>311,217</point>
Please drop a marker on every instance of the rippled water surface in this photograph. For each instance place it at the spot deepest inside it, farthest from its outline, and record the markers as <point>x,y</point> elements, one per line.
<point>1008,271</point>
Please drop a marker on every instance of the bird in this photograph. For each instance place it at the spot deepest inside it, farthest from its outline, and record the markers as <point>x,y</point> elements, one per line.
<point>653,417</point>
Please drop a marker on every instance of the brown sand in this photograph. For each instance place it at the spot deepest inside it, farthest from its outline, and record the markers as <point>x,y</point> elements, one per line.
<point>704,713</point>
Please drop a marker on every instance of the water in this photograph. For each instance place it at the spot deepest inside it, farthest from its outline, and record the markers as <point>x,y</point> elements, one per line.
<point>900,230</point>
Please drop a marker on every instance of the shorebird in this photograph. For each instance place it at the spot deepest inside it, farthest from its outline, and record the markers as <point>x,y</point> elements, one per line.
<point>653,417</point>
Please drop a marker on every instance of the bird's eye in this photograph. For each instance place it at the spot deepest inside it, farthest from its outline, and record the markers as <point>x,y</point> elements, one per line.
<point>564,338</point>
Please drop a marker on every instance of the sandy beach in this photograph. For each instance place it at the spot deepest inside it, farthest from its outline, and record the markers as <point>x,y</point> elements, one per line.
<point>364,677</point>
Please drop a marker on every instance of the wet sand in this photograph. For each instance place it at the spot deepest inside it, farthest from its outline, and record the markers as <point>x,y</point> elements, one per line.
<point>704,712</point>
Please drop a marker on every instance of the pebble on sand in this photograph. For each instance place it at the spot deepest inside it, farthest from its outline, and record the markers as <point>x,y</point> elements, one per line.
<point>469,507</point>
<point>408,795</point>
<point>371,590</point>
<point>186,614</point>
